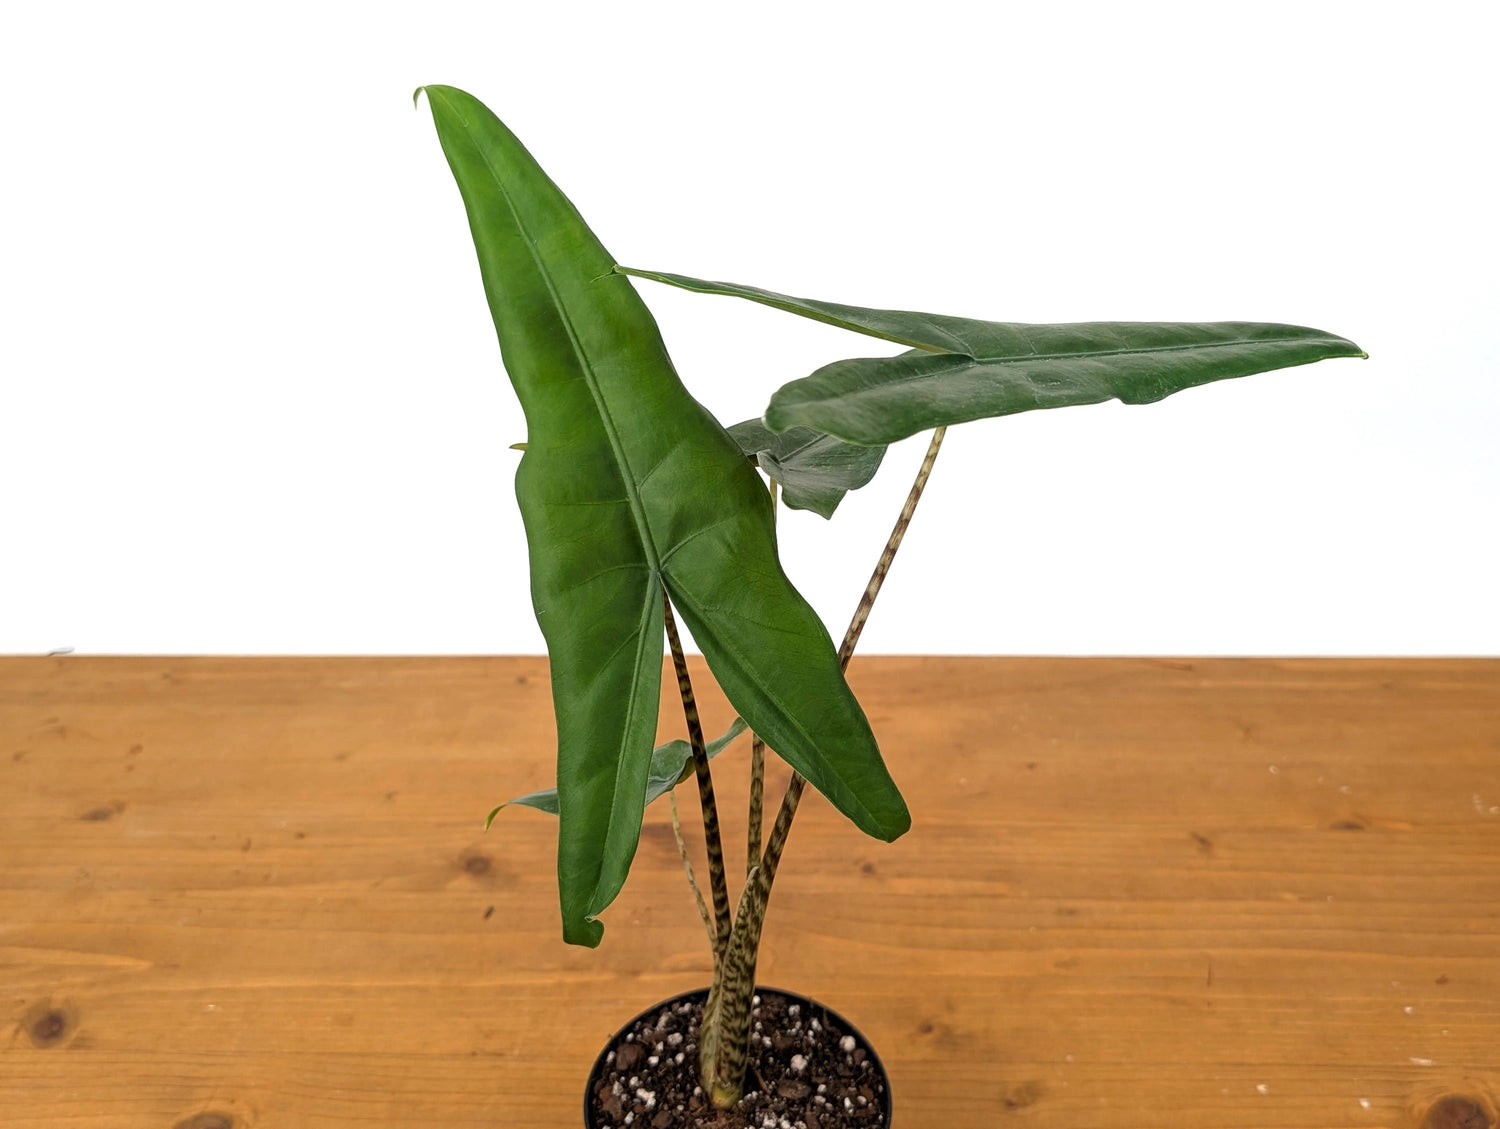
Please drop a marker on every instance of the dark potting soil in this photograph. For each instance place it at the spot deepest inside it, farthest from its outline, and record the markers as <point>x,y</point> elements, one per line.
<point>805,1072</point>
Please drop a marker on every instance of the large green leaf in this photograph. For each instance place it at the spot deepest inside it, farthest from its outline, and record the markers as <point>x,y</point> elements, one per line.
<point>815,469</point>
<point>629,489</point>
<point>671,764</point>
<point>965,369</point>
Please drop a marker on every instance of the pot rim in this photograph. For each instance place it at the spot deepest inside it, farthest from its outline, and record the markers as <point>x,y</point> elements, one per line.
<point>598,1068</point>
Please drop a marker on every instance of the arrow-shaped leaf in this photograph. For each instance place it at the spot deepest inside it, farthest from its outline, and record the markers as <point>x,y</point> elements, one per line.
<point>630,489</point>
<point>966,369</point>
<point>815,470</point>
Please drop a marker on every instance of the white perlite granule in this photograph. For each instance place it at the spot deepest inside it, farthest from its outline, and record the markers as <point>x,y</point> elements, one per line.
<point>846,1044</point>
<point>799,1063</point>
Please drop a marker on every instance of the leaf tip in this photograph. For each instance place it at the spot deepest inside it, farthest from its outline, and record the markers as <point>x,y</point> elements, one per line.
<point>897,824</point>
<point>415,96</point>
<point>587,933</point>
<point>1352,349</point>
<point>489,819</point>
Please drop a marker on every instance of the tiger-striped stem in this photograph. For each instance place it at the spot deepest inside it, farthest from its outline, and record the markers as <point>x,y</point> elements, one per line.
<point>757,770</point>
<point>725,1049</point>
<point>687,865</point>
<point>710,1028</point>
<point>716,877</point>
<point>757,802</point>
<point>888,554</point>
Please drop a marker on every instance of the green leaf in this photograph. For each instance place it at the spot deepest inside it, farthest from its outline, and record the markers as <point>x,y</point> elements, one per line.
<point>545,800</point>
<point>671,764</point>
<point>630,489</point>
<point>965,369</point>
<point>815,469</point>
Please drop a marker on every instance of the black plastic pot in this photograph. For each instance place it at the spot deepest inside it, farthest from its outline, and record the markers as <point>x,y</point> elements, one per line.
<point>809,1006</point>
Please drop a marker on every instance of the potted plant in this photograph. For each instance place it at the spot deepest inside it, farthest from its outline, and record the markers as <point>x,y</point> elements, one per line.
<point>639,507</point>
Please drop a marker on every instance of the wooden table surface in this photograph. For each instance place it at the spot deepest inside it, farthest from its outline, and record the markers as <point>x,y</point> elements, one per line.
<point>1137,893</point>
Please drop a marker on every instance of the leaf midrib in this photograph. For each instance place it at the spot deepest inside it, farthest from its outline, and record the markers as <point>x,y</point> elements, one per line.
<point>1084,354</point>
<point>621,762</point>
<point>968,360</point>
<point>648,545</point>
<point>795,451</point>
<point>819,438</point>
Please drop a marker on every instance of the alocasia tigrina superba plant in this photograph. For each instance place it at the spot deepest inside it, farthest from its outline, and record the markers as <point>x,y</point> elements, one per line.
<point>640,507</point>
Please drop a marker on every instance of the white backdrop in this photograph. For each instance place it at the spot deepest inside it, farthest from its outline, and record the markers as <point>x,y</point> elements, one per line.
<point>250,399</point>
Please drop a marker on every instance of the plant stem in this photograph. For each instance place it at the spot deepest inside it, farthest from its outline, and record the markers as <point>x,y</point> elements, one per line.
<point>888,554</point>
<point>724,1037</point>
<point>757,801</point>
<point>715,844</point>
<point>757,769</point>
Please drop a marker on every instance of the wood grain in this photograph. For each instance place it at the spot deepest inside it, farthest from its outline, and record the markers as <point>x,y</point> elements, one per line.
<point>1251,893</point>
